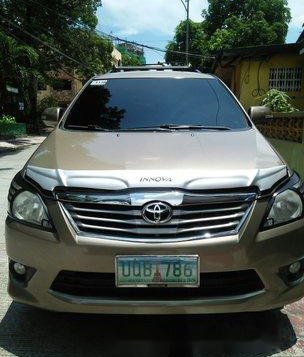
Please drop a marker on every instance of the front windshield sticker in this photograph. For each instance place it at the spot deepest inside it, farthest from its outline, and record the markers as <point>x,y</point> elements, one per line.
<point>98,82</point>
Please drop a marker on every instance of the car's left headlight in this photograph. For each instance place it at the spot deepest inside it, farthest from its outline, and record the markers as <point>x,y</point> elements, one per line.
<point>28,207</point>
<point>287,206</point>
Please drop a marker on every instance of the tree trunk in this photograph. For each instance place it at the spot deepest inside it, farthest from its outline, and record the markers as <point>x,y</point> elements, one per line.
<point>33,126</point>
<point>2,94</point>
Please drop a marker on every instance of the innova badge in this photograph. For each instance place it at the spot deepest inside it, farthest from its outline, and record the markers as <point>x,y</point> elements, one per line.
<point>157,212</point>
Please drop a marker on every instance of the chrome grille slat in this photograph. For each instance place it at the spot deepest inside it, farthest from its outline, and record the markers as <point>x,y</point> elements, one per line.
<point>127,213</point>
<point>151,230</point>
<point>188,212</point>
<point>171,223</point>
<point>222,215</point>
<point>137,212</point>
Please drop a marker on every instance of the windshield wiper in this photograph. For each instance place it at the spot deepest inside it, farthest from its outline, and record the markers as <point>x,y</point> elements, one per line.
<point>87,127</point>
<point>99,128</point>
<point>193,127</point>
<point>147,128</point>
<point>172,127</point>
<point>163,127</point>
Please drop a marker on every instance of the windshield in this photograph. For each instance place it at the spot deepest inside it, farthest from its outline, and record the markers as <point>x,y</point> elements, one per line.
<point>122,104</point>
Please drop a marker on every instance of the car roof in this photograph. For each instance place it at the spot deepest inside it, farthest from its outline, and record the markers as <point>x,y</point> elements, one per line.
<point>154,74</point>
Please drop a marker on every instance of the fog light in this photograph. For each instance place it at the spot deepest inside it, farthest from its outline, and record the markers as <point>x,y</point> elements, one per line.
<point>19,268</point>
<point>294,268</point>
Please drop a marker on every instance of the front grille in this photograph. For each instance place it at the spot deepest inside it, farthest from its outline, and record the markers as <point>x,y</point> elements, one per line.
<point>195,215</point>
<point>102,285</point>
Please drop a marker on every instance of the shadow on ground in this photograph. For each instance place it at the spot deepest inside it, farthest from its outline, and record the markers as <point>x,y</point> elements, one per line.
<point>4,152</point>
<point>29,332</point>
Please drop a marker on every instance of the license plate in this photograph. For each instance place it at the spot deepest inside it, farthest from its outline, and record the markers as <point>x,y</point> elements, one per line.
<point>157,270</point>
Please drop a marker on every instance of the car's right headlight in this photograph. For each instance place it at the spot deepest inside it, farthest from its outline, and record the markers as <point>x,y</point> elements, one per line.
<point>287,206</point>
<point>26,205</point>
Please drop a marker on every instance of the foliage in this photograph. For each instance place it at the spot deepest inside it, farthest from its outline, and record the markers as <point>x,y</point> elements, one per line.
<point>15,58</point>
<point>252,16</point>
<point>16,61</point>
<point>197,41</point>
<point>232,23</point>
<point>61,33</point>
<point>278,101</point>
<point>47,102</point>
<point>67,26</point>
<point>7,119</point>
<point>130,59</point>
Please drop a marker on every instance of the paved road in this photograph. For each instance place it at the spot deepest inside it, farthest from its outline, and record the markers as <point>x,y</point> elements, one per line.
<point>28,332</point>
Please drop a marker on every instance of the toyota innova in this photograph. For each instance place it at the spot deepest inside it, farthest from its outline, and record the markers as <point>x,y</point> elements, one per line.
<point>155,194</point>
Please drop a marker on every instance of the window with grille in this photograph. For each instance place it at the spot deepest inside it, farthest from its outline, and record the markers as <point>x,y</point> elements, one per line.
<point>286,79</point>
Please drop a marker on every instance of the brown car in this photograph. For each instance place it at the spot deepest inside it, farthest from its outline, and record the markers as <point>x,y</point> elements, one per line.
<point>155,194</point>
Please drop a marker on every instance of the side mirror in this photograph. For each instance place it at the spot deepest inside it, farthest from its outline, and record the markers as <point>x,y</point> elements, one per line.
<point>259,114</point>
<point>51,116</point>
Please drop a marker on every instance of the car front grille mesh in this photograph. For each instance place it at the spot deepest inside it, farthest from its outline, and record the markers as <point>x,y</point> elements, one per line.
<point>193,218</point>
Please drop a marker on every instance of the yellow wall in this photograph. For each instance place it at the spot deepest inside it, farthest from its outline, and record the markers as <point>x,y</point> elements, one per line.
<point>246,78</point>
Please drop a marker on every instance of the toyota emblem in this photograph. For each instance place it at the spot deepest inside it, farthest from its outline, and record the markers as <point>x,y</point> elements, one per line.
<point>157,212</point>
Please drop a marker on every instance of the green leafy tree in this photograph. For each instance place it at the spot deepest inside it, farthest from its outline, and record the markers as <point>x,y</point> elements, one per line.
<point>197,44</point>
<point>67,26</point>
<point>232,23</point>
<point>130,59</point>
<point>256,21</point>
<point>16,62</point>
<point>62,32</point>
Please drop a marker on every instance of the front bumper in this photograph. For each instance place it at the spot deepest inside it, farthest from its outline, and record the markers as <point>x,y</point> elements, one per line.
<point>49,253</point>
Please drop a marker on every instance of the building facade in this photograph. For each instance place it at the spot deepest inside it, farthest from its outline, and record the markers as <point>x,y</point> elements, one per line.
<point>66,84</point>
<point>251,71</point>
<point>63,89</point>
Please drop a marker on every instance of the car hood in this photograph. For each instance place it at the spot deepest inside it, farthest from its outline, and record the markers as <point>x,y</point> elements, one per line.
<point>180,159</point>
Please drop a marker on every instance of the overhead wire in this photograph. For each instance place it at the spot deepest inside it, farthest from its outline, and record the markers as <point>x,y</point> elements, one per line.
<point>41,41</point>
<point>116,38</point>
<point>40,54</point>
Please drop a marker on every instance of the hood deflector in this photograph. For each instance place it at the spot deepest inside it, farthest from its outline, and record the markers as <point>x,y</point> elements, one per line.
<point>264,179</point>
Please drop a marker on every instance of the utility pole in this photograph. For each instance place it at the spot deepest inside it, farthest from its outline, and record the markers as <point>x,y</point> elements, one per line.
<point>186,4</point>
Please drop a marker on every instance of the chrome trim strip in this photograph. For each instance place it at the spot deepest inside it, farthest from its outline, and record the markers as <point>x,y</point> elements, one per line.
<point>172,222</point>
<point>85,238</point>
<point>131,212</point>
<point>188,212</point>
<point>159,230</point>
<point>134,212</point>
<point>175,198</point>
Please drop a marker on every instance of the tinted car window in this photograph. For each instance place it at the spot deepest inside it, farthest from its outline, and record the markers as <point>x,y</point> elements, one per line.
<point>134,103</point>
